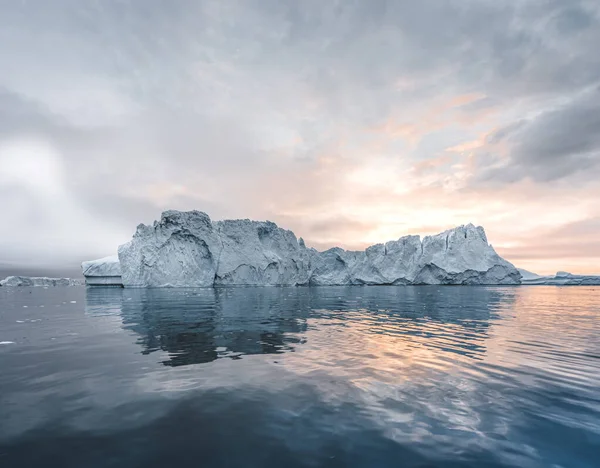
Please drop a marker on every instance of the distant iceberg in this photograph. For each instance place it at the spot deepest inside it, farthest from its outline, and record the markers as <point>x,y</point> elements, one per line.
<point>562,278</point>
<point>35,281</point>
<point>527,275</point>
<point>187,249</point>
<point>103,272</point>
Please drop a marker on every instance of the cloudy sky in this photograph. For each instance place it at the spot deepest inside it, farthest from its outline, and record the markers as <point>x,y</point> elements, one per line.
<point>349,122</point>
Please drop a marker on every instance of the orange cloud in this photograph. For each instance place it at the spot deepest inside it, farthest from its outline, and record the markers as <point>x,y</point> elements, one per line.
<point>462,100</point>
<point>434,118</point>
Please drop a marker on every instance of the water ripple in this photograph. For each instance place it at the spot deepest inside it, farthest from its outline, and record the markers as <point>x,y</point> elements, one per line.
<point>432,376</point>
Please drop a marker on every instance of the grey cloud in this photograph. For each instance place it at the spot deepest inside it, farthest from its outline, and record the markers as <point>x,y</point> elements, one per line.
<point>572,19</point>
<point>347,55</point>
<point>556,144</point>
<point>19,114</point>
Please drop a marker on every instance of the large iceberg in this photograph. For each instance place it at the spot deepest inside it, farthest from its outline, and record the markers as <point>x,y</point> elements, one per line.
<point>35,281</point>
<point>187,249</point>
<point>102,272</point>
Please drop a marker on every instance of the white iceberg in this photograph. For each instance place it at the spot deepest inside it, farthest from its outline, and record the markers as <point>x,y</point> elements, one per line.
<point>562,278</point>
<point>527,275</point>
<point>102,272</point>
<point>38,281</point>
<point>187,249</point>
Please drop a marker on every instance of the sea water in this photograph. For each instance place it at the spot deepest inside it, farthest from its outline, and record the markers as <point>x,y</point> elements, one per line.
<point>300,377</point>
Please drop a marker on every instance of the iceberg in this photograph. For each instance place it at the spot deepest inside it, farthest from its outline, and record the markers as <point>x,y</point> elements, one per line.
<point>35,281</point>
<point>562,278</point>
<point>102,272</point>
<point>187,249</point>
<point>527,275</point>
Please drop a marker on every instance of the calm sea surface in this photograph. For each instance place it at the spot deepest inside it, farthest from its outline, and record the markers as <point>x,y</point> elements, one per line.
<point>294,377</point>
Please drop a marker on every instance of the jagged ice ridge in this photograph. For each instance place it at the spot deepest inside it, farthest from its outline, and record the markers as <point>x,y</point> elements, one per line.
<point>187,249</point>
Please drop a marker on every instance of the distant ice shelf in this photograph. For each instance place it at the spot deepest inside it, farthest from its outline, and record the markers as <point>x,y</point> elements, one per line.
<point>38,281</point>
<point>562,278</point>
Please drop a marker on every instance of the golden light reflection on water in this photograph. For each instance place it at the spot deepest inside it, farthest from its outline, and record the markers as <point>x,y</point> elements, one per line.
<point>524,317</point>
<point>549,332</point>
<point>458,369</point>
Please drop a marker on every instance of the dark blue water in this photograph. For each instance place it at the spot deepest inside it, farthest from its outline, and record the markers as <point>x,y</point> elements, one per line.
<point>300,377</point>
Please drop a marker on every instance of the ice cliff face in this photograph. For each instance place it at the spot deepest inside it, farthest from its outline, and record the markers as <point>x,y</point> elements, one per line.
<point>102,272</point>
<point>39,281</point>
<point>457,256</point>
<point>107,266</point>
<point>187,249</point>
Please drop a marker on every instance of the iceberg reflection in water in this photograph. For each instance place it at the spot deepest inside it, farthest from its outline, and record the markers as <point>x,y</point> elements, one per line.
<point>199,325</point>
<point>328,376</point>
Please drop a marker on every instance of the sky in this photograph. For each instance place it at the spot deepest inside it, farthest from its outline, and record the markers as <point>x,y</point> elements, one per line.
<point>349,122</point>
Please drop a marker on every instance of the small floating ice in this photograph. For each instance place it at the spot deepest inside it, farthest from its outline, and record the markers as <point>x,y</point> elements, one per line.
<point>6,342</point>
<point>20,321</point>
<point>73,302</point>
